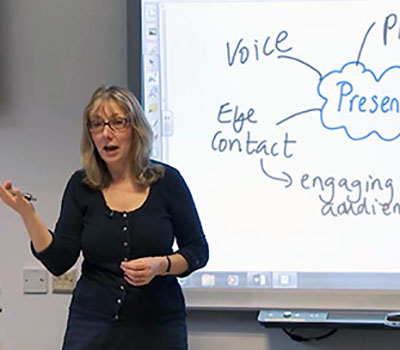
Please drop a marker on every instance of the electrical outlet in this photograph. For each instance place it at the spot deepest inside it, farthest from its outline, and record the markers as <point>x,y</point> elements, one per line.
<point>35,281</point>
<point>65,283</point>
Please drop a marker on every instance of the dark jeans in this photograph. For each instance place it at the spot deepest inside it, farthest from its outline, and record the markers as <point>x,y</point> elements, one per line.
<point>85,332</point>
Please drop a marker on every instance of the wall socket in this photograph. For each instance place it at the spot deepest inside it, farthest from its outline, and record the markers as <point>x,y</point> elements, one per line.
<point>65,283</point>
<point>35,281</point>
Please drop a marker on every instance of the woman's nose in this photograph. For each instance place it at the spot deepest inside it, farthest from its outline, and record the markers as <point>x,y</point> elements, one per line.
<point>107,131</point>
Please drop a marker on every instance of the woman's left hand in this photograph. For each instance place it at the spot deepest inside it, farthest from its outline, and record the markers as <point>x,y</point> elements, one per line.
<point>139,272</point>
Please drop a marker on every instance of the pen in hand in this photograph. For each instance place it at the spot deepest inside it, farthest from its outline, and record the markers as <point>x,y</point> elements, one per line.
<point>26,195</point>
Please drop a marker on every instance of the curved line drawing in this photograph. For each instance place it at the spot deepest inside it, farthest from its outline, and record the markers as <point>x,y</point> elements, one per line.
<point>298,113</point>
<point>363,43</point>
<point>288,180</point>
<point>301,61</point>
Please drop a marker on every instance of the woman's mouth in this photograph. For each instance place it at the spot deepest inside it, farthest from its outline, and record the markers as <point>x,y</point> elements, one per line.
<point>110,148</point>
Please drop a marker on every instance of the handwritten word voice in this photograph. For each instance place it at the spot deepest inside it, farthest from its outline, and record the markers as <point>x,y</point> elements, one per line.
<point>245,50</point>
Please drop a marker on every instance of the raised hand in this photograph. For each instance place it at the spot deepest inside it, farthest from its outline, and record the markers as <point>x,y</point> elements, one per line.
<point>15,199</point>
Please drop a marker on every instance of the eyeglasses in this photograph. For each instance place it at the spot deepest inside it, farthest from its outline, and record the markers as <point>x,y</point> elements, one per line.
<point>115,124</point>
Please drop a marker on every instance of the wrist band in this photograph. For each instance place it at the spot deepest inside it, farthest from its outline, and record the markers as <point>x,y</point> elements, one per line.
<point>168,264</point>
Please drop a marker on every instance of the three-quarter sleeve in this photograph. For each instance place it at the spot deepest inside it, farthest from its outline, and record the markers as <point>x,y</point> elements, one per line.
<point>65,247</point>
<point>190,238</point>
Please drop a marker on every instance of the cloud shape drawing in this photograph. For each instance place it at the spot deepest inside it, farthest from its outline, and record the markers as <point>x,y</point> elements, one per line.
<point>361,103</point>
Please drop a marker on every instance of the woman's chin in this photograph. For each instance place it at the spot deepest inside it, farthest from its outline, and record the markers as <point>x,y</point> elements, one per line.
<point>112,160</point>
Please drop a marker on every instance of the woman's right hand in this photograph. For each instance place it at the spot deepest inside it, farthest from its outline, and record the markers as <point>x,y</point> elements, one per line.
<point>37,230</point>
<point>15,199</point>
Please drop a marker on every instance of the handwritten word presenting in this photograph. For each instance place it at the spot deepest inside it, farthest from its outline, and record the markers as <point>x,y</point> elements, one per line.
<point>361,103</point>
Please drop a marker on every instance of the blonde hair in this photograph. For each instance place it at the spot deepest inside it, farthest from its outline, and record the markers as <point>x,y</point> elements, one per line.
<point>143,170</point>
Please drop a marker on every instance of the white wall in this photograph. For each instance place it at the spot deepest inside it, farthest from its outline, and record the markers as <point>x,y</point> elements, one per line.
<point>53,53</point>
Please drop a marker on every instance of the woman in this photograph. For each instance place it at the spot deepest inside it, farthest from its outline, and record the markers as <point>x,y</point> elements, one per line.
<point>123,211</point>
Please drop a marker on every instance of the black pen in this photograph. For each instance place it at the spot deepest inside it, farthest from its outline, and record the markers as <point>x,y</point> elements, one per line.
<point>26,195</point>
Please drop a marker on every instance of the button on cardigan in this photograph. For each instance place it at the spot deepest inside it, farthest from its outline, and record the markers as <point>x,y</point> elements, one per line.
<point>107,237</point>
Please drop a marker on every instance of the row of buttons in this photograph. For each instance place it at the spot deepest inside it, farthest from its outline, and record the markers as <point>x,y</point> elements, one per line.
<point>125,243</point>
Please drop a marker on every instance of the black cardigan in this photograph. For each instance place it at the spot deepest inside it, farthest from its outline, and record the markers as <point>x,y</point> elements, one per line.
<point>107,237</point>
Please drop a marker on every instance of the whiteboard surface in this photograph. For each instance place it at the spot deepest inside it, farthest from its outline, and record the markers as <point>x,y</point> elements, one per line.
<point>283,117</point>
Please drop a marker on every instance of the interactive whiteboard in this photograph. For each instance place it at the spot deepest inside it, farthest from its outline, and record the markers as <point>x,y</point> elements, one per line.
<point>284,119</point>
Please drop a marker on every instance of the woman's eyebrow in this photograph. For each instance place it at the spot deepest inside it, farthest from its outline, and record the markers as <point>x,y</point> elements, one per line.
<point>114,115</point>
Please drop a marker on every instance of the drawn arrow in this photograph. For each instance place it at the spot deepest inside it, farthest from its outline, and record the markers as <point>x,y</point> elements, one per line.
<point>287,178</point>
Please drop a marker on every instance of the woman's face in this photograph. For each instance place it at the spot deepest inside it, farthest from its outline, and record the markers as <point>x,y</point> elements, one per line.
<point>114,146</point>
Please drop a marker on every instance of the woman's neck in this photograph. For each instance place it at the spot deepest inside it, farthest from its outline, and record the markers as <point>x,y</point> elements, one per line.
<point>120,174</point>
